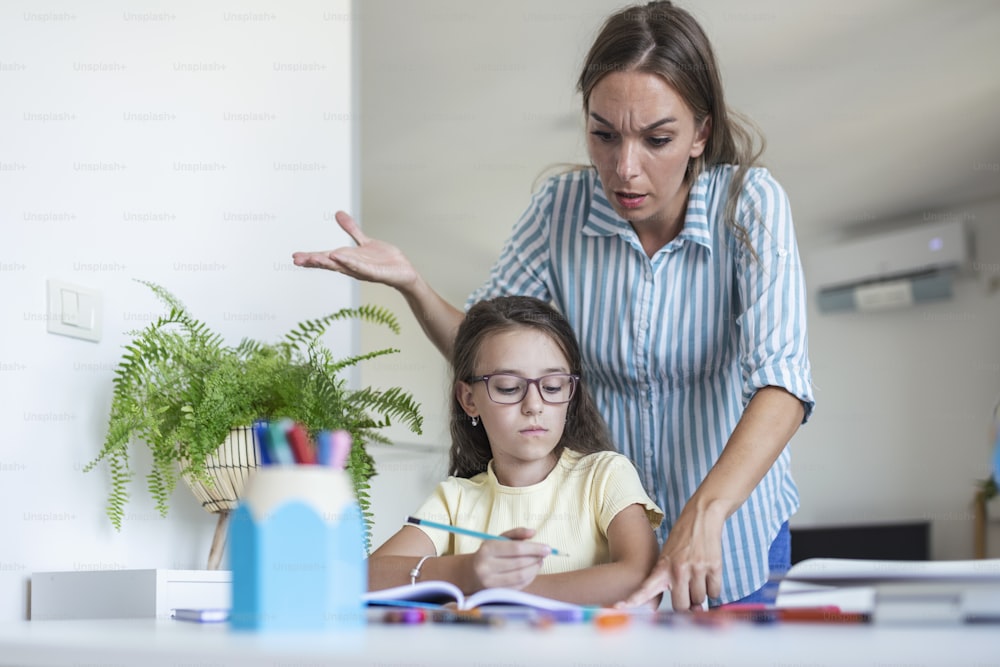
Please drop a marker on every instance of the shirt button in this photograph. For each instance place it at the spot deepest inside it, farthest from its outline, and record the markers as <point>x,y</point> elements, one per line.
<point>643,325</point>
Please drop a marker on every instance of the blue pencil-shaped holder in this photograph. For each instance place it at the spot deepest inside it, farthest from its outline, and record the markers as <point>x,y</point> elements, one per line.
<point>297,552</point>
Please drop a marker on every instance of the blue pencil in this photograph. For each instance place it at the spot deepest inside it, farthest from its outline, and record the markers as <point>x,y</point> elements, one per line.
<point>463,531</point>
<point>262,437</point>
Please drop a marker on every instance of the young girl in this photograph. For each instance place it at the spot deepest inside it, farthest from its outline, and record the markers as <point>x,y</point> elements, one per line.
<point>531,459</point>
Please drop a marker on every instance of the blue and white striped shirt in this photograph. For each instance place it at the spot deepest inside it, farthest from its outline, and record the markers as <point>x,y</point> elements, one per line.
<point>674,346</point>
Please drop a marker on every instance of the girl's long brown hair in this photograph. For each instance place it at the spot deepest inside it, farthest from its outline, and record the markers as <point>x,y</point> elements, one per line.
<point>585,430</point>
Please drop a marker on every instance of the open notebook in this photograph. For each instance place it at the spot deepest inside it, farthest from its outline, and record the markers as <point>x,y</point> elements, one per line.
<point>443,592</point>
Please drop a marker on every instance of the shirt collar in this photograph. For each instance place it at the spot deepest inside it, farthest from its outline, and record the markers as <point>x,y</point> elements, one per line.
<point>603,221</point>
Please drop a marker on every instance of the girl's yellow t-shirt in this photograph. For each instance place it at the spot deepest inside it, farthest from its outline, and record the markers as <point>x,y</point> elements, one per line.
<point>570,509</point>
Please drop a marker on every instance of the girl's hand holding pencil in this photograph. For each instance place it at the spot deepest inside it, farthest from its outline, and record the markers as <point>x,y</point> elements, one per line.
<point>507,560</point>
<point>475,533</point>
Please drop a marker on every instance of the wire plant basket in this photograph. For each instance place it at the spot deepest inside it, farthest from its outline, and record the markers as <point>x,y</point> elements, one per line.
<point>228,470</point>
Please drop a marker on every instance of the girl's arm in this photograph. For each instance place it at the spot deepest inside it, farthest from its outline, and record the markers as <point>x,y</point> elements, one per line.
<point>508,564</point>
<point>633,550</point>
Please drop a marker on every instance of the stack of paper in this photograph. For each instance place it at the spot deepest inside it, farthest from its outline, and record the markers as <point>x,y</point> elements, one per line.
<point>955,591</point>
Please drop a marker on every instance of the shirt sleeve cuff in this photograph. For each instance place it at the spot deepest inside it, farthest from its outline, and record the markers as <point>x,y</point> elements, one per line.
<point>793,379</point>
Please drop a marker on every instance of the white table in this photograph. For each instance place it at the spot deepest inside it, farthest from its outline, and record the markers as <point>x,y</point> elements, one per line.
<point>167,643</point>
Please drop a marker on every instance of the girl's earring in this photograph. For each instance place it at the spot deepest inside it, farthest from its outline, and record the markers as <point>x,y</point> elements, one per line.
<point>475,421</point>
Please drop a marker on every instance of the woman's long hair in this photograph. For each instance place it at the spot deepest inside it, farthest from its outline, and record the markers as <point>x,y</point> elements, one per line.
<point>659,38</point>
<point>585,431</point>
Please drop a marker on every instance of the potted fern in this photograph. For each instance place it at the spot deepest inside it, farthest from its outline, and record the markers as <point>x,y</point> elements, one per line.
<point>180,390</point>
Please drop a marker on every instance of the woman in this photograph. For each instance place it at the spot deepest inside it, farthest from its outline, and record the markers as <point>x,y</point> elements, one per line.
<point>675,261</point>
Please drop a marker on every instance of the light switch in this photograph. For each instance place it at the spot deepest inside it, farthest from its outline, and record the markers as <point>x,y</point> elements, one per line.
<point>74,310</point>
<point>85,310</point>
<point>70,307</point>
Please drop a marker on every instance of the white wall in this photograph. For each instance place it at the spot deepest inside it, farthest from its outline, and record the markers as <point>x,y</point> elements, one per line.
<point>902,429</point>
<point>192,144</point>
<point>465,104</point>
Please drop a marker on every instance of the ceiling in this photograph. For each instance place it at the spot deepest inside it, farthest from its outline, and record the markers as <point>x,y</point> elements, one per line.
<point>873,111</point>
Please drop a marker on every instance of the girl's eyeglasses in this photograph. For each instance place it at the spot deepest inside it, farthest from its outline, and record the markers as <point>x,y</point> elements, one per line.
<point>508,389</point>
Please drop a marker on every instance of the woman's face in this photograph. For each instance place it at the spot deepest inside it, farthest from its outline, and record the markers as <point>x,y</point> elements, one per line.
<point>640,135</point>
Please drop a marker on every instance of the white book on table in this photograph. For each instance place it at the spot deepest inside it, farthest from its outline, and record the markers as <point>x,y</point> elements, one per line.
<point>946,591</point>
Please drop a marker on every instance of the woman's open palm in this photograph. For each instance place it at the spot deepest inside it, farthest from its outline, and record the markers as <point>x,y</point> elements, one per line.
<point>370,260</point>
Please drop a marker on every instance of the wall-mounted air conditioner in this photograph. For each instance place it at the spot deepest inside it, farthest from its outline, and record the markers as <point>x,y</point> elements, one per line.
<point>892,269</point>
